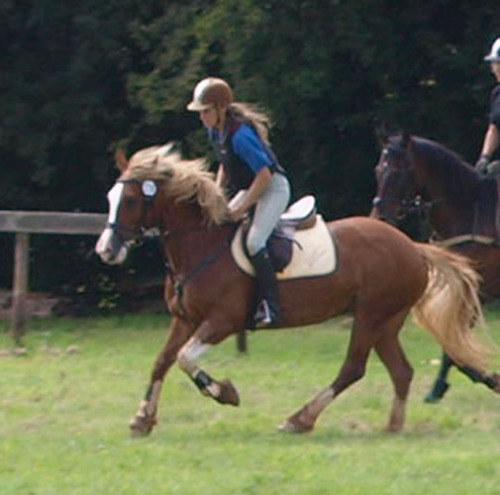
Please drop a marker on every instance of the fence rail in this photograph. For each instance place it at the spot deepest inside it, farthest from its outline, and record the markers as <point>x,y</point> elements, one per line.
<point>24,223</point>
<point>49,222</point>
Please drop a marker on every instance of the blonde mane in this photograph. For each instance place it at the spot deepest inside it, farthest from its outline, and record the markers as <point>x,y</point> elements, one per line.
<point>184,179</point>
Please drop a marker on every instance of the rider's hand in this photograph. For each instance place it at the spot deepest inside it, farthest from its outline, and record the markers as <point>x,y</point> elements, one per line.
<point>493,168</point>
<point>237,214</point>
<point>482,164</point>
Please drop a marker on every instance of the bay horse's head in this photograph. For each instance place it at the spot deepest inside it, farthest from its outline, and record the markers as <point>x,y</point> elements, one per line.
<point>150,181</point>
<point>397,192</point>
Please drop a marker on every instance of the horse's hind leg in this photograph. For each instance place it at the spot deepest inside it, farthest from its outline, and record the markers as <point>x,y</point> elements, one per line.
<point>391,354</point>
<point>366,334</point>
<point>351,371</point>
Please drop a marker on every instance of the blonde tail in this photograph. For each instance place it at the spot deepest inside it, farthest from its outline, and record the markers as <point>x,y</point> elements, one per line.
<point>450,306</point>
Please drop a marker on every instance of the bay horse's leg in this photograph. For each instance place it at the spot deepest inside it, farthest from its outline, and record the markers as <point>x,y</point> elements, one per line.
<point>222,391</point>
<point>440,384</point>
<point>145,418</point>
<point>351,371</point>
<point>491,381</point>
<point>391,354</point>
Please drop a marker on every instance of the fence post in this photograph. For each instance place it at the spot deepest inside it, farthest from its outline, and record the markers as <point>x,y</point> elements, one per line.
<point>241,341</point>
<point>20,286</point>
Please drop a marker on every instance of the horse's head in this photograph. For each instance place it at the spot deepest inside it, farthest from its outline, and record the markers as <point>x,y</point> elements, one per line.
<point>132,205</point>
<point>158,190</point>
<point>396,187</point>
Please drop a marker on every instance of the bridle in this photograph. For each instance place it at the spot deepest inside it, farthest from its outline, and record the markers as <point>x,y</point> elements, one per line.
<point>411,202</point>
<point>407,207</point>
<point>134,236</point>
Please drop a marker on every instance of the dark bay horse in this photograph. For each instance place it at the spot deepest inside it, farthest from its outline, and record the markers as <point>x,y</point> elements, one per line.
<point>417,175</point>
<point>380,277</point>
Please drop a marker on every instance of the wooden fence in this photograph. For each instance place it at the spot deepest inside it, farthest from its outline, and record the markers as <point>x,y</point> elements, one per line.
<point>24,223</point>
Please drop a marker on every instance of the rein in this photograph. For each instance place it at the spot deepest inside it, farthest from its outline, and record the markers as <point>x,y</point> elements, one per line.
<point>181,281</point>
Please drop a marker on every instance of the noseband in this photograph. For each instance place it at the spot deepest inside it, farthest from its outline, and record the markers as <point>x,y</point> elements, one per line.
<point>406,206</point>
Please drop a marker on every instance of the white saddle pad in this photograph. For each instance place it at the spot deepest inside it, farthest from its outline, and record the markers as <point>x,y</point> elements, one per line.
<point>313,254</point>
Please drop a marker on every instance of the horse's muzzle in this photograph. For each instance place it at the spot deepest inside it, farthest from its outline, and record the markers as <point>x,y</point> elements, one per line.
<point>110,249</point>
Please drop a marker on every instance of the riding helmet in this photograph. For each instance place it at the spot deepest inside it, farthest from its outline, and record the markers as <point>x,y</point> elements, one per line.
<point>211,92</point>
<point>494,55</point>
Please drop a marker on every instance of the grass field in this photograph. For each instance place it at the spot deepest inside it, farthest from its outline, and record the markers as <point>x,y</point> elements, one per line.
<point>65,406</point>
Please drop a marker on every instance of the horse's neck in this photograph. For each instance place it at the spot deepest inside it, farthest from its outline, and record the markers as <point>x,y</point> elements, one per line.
<point>449,222</point>
<point>188,241</point>
<point>449,215</point>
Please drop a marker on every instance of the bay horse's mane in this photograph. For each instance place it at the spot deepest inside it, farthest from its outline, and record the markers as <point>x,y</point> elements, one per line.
<point>461,179</point>
<point>185,180</point>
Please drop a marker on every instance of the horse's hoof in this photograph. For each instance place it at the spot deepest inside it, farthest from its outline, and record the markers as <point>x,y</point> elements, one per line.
<point>431,399</point>
<point>141,426</point>
<point>437,392</point>
<point>228,394</point>
<point>394,428</point>
<point>295,425</point>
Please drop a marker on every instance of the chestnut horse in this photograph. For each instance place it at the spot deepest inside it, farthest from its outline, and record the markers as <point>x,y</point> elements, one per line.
<point>419,176</point>
<point>381,276</point>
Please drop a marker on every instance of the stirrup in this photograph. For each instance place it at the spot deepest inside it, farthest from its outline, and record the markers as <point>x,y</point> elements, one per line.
<point>263,316</point>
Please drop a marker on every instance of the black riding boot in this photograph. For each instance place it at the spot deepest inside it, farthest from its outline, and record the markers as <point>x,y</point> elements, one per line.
<point>268,311</point>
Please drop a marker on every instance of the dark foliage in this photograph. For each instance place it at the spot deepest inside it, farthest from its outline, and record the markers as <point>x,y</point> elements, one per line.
<point>78,79</point>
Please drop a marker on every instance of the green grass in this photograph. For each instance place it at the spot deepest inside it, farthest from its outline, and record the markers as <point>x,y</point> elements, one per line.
<point>64,415</point>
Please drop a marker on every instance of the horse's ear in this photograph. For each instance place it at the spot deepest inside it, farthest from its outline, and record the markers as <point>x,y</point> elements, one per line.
<point>166,149</point>
<point>405,138</point>
<point>382,135</point>
<point>121,160</point>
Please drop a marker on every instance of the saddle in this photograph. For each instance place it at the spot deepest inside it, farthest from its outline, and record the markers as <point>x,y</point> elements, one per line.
<point>300,215</point>
<point>300,246</point>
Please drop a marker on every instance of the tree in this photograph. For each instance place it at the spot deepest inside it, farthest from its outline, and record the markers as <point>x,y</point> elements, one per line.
<point>78,79</point>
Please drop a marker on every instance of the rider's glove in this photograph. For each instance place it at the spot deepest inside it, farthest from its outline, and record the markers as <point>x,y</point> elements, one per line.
<point>482,164</point>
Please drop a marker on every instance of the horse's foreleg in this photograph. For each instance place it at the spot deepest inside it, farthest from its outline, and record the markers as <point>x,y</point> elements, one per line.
<point>440,385</point>
<point>222,391</point>
<point>491,381</point>
<point>352,370</point>
<point>145,417</point>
